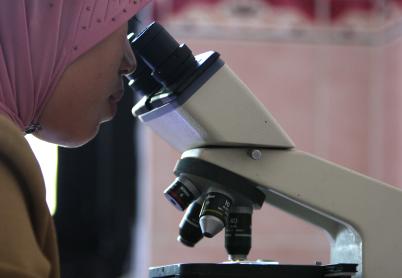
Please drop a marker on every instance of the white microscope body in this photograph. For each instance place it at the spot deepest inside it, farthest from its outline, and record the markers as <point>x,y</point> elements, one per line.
<point>222,123</point>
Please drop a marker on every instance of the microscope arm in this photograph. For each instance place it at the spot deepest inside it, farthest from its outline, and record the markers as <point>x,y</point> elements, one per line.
<point>351,207</point>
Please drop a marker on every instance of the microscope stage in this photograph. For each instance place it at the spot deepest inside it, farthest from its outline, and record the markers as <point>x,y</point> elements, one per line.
<point>238,270</point>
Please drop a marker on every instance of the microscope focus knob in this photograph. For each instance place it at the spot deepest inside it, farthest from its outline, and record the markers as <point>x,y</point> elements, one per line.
<point>214,213</point>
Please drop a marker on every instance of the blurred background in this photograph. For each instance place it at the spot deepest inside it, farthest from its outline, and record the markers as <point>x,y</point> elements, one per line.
<point>330,71</point>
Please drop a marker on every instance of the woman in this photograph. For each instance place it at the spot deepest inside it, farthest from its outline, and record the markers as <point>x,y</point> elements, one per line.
<point>61,63</point>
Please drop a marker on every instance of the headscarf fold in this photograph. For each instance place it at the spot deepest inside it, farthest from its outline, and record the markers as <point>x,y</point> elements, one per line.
<point>40,38</point>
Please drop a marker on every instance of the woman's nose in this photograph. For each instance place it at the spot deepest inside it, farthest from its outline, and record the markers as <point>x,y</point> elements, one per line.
<point>129,63</point>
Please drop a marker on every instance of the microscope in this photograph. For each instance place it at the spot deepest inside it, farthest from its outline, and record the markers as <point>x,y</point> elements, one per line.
<point>235,157</point>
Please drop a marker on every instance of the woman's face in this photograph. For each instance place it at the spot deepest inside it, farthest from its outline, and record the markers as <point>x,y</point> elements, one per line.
<point>88,92</point>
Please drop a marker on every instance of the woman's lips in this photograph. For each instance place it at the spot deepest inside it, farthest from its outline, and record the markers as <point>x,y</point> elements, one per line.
<point>113,101</point>
<point>116,97</point>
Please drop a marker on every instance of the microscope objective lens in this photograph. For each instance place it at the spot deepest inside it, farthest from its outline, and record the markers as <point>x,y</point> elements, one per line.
<point>189,228</point>
<point>214,213</point>
<point>181,193</point>
<point>238,235</point>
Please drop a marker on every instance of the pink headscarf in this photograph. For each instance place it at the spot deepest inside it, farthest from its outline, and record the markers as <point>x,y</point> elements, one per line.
<point>40,38</point>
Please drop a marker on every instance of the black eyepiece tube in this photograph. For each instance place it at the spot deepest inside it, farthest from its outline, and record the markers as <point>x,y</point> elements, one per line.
<point>170,62</point>
<point>142,82</point>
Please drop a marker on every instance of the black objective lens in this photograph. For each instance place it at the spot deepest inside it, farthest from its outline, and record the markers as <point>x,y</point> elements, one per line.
<point>143,82</point>
<point>238,235</point>
<point>214,213</point>
<point>181,193</point>
<point>170,62</point>
<point>189,228</point>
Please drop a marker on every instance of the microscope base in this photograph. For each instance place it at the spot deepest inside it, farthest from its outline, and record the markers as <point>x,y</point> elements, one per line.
<point>257,270</point>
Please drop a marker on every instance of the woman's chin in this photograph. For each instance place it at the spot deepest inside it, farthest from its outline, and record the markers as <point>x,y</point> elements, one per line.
<point>73,143</point>
<point>68,139</point>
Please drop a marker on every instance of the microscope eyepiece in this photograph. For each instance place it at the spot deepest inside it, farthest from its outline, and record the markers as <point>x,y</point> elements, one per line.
<point>214,213</point>
<point>170,62</point>
<point>189,228</point>
<point>141,81</point>
<point>182,192</point>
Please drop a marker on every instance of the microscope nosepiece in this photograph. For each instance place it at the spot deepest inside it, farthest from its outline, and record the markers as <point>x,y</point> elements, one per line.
<point>214,213</point>
<point>181,193</point>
